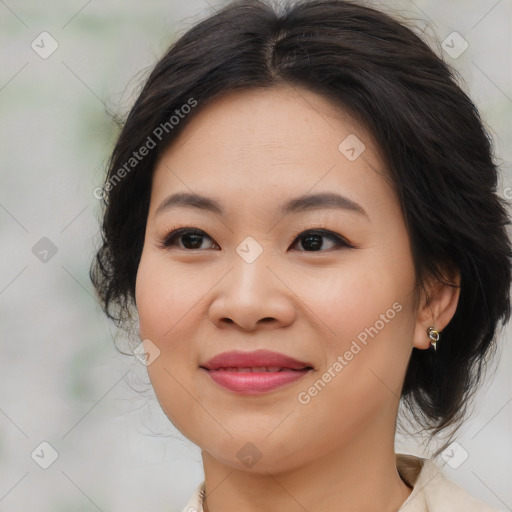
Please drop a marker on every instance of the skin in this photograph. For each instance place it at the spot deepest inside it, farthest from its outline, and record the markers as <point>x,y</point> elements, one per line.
<point>252,150</point>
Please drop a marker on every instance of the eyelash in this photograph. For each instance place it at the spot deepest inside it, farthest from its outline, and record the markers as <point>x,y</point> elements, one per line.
<point>169,240</point>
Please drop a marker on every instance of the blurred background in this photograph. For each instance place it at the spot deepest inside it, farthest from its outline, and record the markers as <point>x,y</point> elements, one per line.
<point>80,429</point>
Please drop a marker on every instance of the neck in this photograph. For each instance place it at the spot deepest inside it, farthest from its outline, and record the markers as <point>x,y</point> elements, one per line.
<point>361,475</point>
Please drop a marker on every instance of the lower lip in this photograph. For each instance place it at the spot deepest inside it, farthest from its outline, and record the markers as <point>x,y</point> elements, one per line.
<point>249,383</point>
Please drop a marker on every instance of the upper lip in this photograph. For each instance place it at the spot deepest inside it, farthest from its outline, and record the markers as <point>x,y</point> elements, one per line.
<point>239,359</point>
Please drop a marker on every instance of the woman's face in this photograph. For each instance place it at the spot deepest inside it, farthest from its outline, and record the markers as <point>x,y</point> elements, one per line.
<point>255,277</point>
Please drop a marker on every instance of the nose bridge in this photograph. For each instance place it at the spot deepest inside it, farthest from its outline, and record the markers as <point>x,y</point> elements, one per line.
<point>250,272</point>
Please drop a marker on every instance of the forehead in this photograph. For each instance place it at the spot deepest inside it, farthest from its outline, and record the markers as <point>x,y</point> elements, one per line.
<point>281,120</point>
<point>262,145</point>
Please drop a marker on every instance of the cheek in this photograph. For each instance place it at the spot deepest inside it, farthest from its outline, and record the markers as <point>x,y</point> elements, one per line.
<point>369,315</point>
<point>365,359</point>
<point>353,298</point>
<point>164,296</point>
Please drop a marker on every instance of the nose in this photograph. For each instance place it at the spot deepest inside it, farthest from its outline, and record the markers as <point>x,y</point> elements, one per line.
<point>252,296</point>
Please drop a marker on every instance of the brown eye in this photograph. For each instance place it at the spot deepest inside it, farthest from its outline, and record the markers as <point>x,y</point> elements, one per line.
<point>191,239</point>
<point>312,240</point>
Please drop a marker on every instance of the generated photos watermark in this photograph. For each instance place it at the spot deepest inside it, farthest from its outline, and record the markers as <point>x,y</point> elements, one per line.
<point>145,149</point>
<point>361,341</point>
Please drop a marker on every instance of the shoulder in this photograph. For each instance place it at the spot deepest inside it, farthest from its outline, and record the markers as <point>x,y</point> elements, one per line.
<point>433,491</point>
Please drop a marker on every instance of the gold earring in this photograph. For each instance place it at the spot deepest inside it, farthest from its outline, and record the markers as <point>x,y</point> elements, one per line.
<point>434,336</point>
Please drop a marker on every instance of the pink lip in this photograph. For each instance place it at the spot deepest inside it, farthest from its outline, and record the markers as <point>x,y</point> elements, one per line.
<point>230,370</point>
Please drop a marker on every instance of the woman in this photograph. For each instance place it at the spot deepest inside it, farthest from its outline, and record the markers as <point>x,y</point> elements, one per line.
<point>301,208</point>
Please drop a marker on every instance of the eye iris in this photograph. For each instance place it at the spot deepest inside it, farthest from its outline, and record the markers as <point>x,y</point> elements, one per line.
<point>314,240</point>
<point>195,239</point>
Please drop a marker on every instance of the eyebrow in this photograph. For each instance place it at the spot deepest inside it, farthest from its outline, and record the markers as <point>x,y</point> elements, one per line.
<point>298,204</point>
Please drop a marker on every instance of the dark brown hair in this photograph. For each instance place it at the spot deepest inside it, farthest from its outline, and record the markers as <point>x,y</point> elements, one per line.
<point>437,151</point>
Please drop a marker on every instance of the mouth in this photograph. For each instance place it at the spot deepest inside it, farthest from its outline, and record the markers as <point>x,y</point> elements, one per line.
<point>258,360</point>
<point>255,372</point>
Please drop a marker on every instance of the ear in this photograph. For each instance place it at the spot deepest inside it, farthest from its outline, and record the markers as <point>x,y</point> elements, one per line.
<point>437,304</point>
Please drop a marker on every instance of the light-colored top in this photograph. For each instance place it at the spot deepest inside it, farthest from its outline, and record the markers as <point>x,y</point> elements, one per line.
<point>432,491</point>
